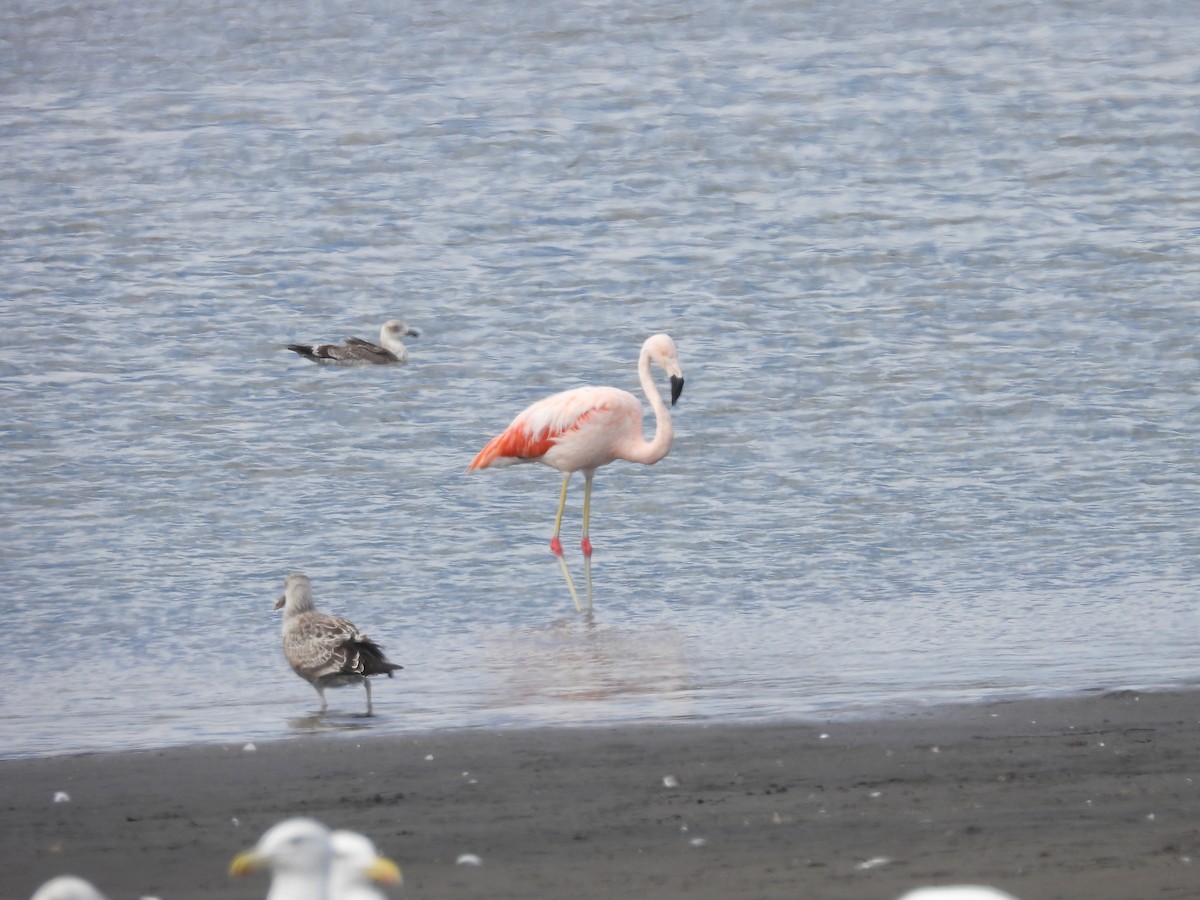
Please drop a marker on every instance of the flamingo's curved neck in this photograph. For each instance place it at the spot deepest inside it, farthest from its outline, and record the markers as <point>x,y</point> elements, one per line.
<point>650,452</point>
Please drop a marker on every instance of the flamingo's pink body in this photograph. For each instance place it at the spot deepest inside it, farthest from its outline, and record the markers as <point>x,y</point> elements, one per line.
<point>582,429</point>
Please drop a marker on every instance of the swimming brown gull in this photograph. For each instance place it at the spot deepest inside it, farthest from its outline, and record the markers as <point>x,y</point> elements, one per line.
<point>67,887</point>
<point>355,351</point>
<point>298,854</point>
<point>357,867</point>
<point>326,651</point>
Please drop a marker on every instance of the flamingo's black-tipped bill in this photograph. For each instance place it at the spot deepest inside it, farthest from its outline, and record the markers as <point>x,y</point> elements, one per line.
<point>676,388</point>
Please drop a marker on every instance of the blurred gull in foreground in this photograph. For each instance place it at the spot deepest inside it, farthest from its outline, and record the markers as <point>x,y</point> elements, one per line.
<point>957,892</point>
<point>357,867</point>
<point>67,887</point>
<point>298,853</point>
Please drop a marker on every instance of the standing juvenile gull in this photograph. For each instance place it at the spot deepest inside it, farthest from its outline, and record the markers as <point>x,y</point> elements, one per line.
<point>298,852</point>
<point>67,887</point>
<point>326,651</point>
<point>357,867</point>
<point>355,351</point>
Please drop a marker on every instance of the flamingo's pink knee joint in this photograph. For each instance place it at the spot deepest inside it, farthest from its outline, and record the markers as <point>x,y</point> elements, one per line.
<point>556,546</point>
<point>586,544</point>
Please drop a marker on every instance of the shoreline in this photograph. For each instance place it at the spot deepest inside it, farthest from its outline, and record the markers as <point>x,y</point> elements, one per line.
<point>1091,795</point>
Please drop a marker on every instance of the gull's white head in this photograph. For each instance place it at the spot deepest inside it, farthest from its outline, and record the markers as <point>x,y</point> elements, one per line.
<point>397,329</point>
<point>295,848</point>
<point>297,595</point>
<point>67,887</point>
<point>392,335</point>
<point>357,867</point>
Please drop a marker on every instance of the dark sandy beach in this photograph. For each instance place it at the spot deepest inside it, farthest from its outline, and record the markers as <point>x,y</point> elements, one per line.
<point>1097,797</point>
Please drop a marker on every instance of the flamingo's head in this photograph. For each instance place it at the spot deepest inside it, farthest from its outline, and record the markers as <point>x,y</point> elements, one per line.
<point>661,350</point>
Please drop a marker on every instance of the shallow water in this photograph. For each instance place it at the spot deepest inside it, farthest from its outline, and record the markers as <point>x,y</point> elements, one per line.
<point>932,273</point>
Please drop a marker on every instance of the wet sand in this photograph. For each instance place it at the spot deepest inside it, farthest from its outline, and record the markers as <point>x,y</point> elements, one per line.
<point>1096,797</point>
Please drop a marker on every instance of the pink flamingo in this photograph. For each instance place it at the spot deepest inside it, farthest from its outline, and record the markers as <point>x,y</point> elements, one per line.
<point>585,428</point>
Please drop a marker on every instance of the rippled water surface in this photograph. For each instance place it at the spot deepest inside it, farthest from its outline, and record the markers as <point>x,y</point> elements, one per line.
<point>933,271</point>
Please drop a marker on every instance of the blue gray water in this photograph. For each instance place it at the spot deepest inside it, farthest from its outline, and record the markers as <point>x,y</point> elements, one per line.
<point>933,270</point>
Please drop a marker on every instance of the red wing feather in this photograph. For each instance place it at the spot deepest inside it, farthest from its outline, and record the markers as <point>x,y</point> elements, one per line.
<point>535,431</point>
<point>513,443</point>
